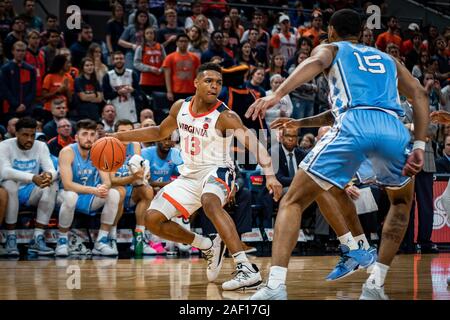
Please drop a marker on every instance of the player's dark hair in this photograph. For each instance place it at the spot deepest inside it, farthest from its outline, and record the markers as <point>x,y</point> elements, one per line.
<point>346,22</point>
<point>87,124</point>
<point>122,122</point>
<point>209,66</point>
<point>26,123</point>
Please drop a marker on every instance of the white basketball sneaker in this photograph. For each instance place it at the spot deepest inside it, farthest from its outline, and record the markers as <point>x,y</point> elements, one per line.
<point>77,247</point>
<point>373,293</point>
<point>62,247</point>
<point>102,247</point>
<point>266,293</point>
<point>246,277</point>
<point>214,257</point>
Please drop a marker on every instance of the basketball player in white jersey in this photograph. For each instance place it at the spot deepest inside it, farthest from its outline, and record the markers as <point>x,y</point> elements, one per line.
<point>206,129</point>
<point>86,190</point>
<point>28,174</point>
<point>443,117</point>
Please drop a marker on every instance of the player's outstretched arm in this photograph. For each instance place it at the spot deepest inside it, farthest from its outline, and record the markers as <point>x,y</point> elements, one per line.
<point>229,120</point>
<point>440,117</point>
<point>323,119</point>
<point>155,133</point>
<point>413,90</point>
<point>321,58</point>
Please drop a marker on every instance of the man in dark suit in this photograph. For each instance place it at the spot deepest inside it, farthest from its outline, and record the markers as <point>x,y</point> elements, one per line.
<point>286,156</point>
<point>423,188</point>
<point>443,163</point>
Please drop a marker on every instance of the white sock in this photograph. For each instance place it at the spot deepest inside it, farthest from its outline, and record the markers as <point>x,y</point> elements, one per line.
<point>377,276</point>
<point>348,240</point>
<point>362,237</point>
<point>63,235</point>
<point>240,257</point>
<point>38,232</point>
<point>140,228</point>
<point>113,232</point>
<point>101,234</point>
<point>277,276</point>
<point>201,242</point>
<point>10,232</point>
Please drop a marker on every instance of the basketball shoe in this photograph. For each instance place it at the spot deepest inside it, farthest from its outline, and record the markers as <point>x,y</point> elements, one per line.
<point>372,293</point>
<point>102,247</point>
<point>39,247</point>
<point>350,262</point>
<point>267,293</point>
<point>62,247</point>
<point>214,257</point>
<point>11,245</point>
<point>246,277</point>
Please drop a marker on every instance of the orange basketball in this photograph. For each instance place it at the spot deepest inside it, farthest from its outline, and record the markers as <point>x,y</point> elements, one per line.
<point>108,154</point>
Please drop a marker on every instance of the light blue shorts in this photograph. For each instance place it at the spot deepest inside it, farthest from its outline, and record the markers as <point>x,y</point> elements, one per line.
<point>359,135</point>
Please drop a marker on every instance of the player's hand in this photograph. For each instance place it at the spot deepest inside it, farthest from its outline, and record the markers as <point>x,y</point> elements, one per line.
<point>414,163</point>
<point>352,192</point>
<point>39,180</point>
<point>440,117</point>
<point>139,174</point>
<point>170,96</point>
<point>259,107</point>
<point>274,186</point>
<point>102,191</point>
<point>47,179</point>
<point>281,123</point>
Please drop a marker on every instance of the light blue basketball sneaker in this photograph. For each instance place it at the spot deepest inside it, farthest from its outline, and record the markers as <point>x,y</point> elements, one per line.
<point>350,261</point>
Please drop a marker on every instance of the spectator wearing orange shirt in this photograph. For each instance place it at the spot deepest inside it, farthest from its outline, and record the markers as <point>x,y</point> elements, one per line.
<point>389,36</point>
<point>180,70</point>
<point>315,32</point>
<point>148,59</point>
<point>58,83</point>
<point>285,42</point>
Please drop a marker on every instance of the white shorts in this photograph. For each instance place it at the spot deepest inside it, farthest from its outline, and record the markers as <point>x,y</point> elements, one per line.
<point>183,196</point>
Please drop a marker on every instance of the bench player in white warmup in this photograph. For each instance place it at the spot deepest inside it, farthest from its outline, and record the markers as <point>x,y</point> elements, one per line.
<point>28,177</point>
<point>206,128</point>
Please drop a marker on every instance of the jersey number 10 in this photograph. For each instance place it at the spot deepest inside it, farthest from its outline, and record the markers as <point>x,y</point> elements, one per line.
<point>370,63</point>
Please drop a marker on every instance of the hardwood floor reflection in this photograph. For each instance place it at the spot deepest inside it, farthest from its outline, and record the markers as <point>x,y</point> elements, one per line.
<point>411,277</point>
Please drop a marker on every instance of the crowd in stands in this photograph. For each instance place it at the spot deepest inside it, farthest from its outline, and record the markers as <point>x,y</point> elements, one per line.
<point>149,58</point>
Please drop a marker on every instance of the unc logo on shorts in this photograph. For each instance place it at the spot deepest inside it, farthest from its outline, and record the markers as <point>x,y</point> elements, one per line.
<point>440,218</point>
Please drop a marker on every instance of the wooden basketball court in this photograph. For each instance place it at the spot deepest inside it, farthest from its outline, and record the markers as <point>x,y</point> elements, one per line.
<point>411,277</point>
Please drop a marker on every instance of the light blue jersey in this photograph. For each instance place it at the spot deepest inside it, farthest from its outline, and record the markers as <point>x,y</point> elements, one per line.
<point>366,103</point>
<point>86,174</point>
<point>83,171</point>
<point>162,169</point>
<point>124,171</point>
<point>362,76</point>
